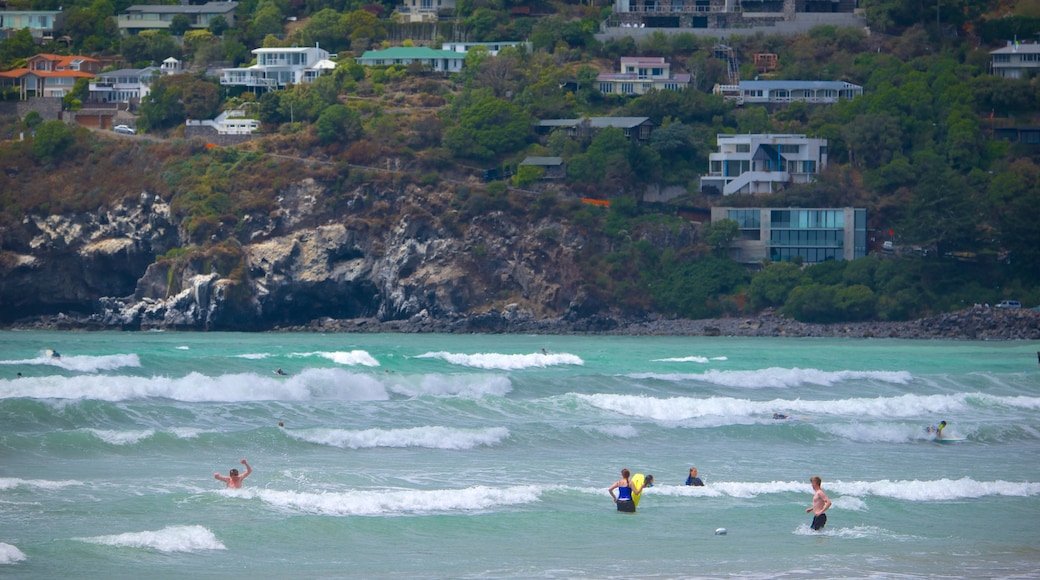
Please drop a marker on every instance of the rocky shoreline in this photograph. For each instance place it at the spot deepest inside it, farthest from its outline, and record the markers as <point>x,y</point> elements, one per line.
<point>977,323</point>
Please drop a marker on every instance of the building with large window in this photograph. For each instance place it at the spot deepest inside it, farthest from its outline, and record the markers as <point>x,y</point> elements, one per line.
<point>782,92</point>
<point>42,24</point>
<point>1016,60</point>
<point>640,74</point>
<point>763,163</point>
<point>277,67</point>
<point>433,59</point>
<point>160,16</point>
<point>784,234</point>
<point>49,75</point>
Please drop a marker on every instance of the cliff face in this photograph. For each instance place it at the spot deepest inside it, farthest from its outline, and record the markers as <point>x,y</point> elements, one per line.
<point>385,257</point>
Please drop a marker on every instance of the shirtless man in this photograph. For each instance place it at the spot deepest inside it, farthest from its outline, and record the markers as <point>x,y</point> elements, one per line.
<point>233,479</point>
<point>820,504</point>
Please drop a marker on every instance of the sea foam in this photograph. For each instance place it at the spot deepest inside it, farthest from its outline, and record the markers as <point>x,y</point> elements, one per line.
<point>696,359</point>
<point>450,385</point>
<point>10,554</point>
<point>81,363</point>
<point>168,539</point>
<point>851,494</point>
<point>776,377</point>
<point>351,358</point>
<point>398,502</point>
<point>121,437</point>
<point>7,483</point>
<point>682,408</point>
<point>311,384</point>
<point>505,362</point>
<point>430,437</point>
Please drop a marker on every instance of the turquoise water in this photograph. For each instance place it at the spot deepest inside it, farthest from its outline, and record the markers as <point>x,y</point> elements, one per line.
<point>475,456</point>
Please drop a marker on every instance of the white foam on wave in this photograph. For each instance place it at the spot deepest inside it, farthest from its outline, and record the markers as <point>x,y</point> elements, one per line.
<point>186,432</point>
<point>10,554</point>
<point>398,502</point>
<point>168,539</point>
<point>854,533</point>
<point>776,377</point>
<point>81,363</point>
<point>121,437</point>
<point>619,431</point>
<point>429,437</point>
<point>696,359</point>
<point>7,483</point>
<point>850,494</point>
<point>253,355</point>
<point>505,362</point>
<point>183,347</point>
<point>682,408</point>
<point>450,385</point>
<point>348,358</point>
<point>311,384</point>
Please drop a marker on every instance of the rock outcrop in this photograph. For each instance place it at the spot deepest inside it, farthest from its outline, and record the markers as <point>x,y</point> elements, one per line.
<point>382,262</point>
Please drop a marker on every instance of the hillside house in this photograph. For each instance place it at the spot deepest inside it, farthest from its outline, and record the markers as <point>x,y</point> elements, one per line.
<point>640,74</point>
<point>783,234</point>
<point>763,163</point>
<point>1016,60</point>
<point>436,60</point>
<point>49,75</point>
<point>159,16</point>
<point>277,67</point>
<point>635,128</point>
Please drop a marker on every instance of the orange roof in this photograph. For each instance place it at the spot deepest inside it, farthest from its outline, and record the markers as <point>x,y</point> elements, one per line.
<point>20,72</point>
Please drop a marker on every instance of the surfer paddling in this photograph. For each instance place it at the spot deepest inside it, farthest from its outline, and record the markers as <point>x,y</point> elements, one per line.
<point>233,479</point>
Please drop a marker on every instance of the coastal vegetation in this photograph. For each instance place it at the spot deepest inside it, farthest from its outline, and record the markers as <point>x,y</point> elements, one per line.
<point>919,149</point>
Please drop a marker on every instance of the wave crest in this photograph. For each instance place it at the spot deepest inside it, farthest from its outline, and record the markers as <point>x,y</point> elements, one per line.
<point>505,362</point>
<point>429,437</point>
<point>168,539</point>
<point>395,503</point>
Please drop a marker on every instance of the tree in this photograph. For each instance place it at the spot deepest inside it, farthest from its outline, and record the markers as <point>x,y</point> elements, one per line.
<point>773,284</point>
<point>18,45</point>
<point>719,234</point>
<point>339,123</point>
<point>485,127</point>
<point>201,99</point>
<point>52,139</point>
<point>218,25</point>
<point>179,24</point>
<point>162,108</point>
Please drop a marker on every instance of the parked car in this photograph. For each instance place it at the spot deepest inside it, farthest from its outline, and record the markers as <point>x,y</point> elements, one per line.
<point>887,246</point>
<point>124,129</point>
<point>1009,304</point>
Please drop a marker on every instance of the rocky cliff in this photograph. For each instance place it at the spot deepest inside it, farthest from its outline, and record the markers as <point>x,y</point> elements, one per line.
<point>382,256</point>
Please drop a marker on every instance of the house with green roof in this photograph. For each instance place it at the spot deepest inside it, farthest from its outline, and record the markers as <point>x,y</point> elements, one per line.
<point>437,60</point>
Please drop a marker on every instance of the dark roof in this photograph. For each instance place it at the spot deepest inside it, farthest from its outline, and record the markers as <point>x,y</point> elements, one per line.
<point>597,122</point>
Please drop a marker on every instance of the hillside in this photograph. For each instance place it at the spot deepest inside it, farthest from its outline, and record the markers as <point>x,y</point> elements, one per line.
<point>363,199</point>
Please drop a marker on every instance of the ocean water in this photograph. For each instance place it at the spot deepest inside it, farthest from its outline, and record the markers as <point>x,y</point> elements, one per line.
<point>432,456</point>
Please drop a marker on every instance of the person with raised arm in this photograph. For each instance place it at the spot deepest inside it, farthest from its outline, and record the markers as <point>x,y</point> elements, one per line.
<point>233,479</point>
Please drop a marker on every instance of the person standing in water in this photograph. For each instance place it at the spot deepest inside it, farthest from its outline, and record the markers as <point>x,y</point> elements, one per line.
<point>820,504</point>
<point>623,499</point>
<point>233,479</point>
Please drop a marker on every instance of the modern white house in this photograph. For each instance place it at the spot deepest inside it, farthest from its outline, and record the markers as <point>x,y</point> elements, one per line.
<point>436,60</point>
<point>123,85</point>
<point>493,48</point>
<point>774,92</point>
<point>1016,60</point>
<point>277,67</point>
<point>233,122</point>
<point>782,234</point>
<point>763,163</point>
<point>640,74</point>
